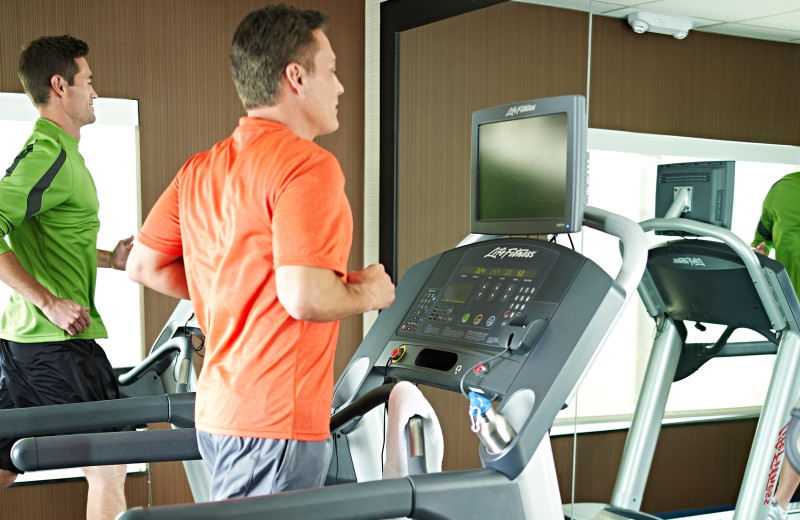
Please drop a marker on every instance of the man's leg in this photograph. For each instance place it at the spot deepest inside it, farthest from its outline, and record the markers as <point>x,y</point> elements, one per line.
<point>304,465</point>
<point>106,491</point>
<point>7,478</point>
<point>37,374</point>
<point>787,484</point>
<point>8,472</point>
<point>246,467</point>
<point>92,378</point>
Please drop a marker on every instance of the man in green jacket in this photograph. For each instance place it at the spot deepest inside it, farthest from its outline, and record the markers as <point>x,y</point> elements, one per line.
<point>49,258</point>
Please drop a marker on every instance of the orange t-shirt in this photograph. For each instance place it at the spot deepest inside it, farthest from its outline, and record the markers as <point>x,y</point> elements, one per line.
<point>260,199</point>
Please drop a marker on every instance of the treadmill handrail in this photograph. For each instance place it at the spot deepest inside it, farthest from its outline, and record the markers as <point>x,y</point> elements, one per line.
<point>375,499</point>
<point>744,251</point>
<point>99,449</point>
<point>634,257</point>
<point>177,409</point>
<point>181,344</point>
<point>45,452</point>
<point>452,494</point>
<point>358,408</point>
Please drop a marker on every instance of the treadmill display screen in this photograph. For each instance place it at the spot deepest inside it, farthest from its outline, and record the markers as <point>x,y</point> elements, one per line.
<point>496,271</point>
<point>490,288</point>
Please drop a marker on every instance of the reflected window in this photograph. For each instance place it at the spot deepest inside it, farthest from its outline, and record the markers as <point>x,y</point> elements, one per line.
<point>622,175</point>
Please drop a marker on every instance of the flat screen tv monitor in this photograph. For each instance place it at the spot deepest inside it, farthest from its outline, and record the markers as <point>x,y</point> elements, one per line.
<point>528,167</point>
<point>710,185</point>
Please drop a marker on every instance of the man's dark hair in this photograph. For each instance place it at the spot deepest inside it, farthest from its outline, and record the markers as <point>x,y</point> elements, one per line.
<point>266,41</point>
<point>46,57</point>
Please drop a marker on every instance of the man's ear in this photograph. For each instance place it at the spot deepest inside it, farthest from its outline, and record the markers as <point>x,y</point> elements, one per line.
<point>58,84</point>
<point>295,75</point>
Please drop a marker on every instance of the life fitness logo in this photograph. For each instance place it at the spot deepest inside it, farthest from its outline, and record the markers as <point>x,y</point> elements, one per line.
<point>512,252</point>
<point>775,465</point>
<point>520,109</point>
<point>687,260</point>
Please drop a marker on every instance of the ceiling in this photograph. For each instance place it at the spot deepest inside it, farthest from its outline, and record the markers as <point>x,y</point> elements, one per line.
<point>777,20</point>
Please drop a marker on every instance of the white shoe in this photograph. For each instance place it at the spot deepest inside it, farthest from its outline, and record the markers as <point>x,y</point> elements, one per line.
<point>776,512</point>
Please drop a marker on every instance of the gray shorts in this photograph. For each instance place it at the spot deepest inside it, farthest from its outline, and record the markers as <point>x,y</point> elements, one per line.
<point>244,466</point>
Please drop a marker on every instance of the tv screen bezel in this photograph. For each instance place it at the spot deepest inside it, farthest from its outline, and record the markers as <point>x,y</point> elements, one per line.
<point>575,175</point>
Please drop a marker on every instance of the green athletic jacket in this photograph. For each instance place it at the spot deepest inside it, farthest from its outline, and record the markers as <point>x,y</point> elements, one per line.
<point>48,214</point>
<point>779,226</point>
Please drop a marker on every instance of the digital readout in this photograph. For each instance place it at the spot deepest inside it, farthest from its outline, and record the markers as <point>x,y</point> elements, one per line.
<point>498,271</point>
<point>457,292</point>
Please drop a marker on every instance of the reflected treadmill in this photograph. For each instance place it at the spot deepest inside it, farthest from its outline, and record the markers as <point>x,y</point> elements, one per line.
<point>718,282</point>
<point>516,319</point>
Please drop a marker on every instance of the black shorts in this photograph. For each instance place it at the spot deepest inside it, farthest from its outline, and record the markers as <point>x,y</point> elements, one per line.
<point>40,374</point>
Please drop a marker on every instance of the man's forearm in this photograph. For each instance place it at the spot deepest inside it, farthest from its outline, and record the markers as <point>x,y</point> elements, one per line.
<point>160,272</point>
<point>104,258</point>
<point>170,280</point>
<point>319,295</point>
<point>17,278</point>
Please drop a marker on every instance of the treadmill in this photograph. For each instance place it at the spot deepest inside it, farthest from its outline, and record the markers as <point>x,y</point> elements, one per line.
<point>544,310</point>
<point>717,281</point>
<point>528,367</point>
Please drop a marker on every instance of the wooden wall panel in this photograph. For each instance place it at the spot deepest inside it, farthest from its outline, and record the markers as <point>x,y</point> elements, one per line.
<point>63,500</point>
<point>709,86</point>
<point>695,466</point>
<point>172,56</point>
<point>447,70</point>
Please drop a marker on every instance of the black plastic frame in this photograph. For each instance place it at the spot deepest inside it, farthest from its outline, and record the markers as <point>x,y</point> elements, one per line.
<point>574,106</point>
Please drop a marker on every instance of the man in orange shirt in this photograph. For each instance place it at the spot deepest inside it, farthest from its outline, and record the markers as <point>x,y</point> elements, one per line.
<point>257,232</point>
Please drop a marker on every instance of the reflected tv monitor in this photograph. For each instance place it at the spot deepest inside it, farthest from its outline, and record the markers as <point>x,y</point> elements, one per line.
<point>711,191</point>
<point>528,167</point>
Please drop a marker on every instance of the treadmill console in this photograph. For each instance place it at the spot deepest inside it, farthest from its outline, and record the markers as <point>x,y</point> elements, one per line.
<point>488,289</point>
<point>487,310</point>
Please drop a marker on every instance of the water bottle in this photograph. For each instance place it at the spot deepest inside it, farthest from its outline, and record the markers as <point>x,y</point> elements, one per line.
<point>492,428</point>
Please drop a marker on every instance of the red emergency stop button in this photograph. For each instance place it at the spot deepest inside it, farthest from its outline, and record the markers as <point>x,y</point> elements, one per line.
<point>398,353</point>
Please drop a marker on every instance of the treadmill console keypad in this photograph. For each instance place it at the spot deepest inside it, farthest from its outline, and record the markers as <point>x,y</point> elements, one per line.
<point>489,288</point>
<point>427,306</point>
